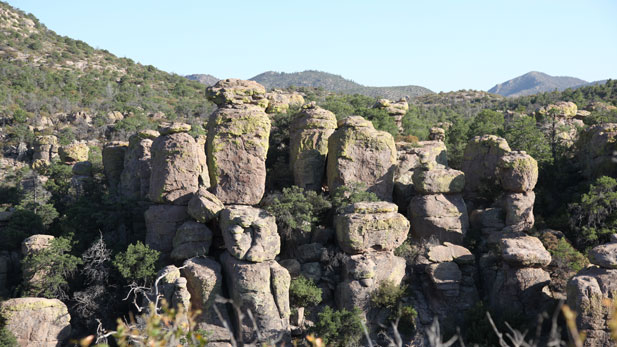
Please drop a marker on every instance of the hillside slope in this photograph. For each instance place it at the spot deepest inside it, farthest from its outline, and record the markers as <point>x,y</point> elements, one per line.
<point>334,83</point>
<point>205,79</point>
<point>535,82</point>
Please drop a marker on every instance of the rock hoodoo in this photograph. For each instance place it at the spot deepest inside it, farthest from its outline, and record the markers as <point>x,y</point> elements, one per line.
<point>308,137</point>
<point>135,177</point>
<point>357,153</point>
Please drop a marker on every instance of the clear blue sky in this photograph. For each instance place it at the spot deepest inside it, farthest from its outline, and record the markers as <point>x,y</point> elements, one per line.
<point>442,45</point>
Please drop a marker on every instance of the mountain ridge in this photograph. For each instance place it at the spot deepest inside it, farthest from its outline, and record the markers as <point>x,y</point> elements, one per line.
<point>535,82</point>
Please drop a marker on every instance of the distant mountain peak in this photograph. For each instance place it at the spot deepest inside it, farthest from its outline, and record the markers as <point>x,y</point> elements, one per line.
<point>535,82</point>
<point>206,79</point>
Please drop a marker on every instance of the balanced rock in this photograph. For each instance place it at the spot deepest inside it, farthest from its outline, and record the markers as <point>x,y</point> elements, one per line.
<point>192,239</point>
<point>173,128</point>
<point>280,101</point>
<point>77,151</point>
<point>524,251</point>
<point>261,288</point>
<point>36,321</point>
<point>357,153</point>
<point>162,221</point>
<point>366,226</point>
<point>175,169</point>
<point>450,252</point>
<point>250,233</point>
<point>604,255</point>
<point>440,180</point>
<point>113,162</point>
<point>233,91</point>
<point>519,210</point>
<point>518,172</point>
<point>308,141</point>
<point>441,216</point>
<point>480,164</point>
<point>135,177</point>
<point>236,148</point>
<point>204,206</point>
<point>205,283</point>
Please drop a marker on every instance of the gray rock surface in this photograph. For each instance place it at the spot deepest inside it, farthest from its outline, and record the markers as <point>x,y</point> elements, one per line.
<point>441,216</point>
<point>162,221</point>
<point>250,233</point>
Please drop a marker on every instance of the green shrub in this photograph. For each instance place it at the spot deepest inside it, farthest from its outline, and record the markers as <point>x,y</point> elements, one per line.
<point>298,209</point>
<point>344,196</point>
<point>138,262</point>
<point>594,218</point>
<point>46,272</point>
<point>407,318</point>
<point>303,292</point>
<point>339,328</point>
<point>388,295</point>
<point>7,339</point>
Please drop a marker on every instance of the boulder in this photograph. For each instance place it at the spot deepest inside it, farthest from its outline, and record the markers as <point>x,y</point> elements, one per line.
<point>366,226</point>
<point>35,243</point>
<point>45,148</point>
<point>175,169</point>
<point>480,165</point>
<point>232,92</point>
<point>236,148</point>
<point>439,180</point>
<point>308,145</point>
<point>604,256</point>
<point>450,252</point>
<point>82,168</point>
<point>192,239</point>
<point>588,292</point>
<point>204,206</point>
<point>524,251</point>
<point>162,221</point>
<point>357,153</point>
<point>173,128</point>
<point>519,291</point>
<point>566,109</point>
<point>250,233</point>
<point>113,162</point>
<point>77,151</point>
<point>437,134</point>
<point>518,172</point>
<point>488,220</point>
<point>280,101</point>
<point>205,283</point>
<point>446,277</point>
<point>597,147</point>
<point>135,177</point>
<point>36,321</point>
<point>519,210</point>
<point>263,289</point>
<point>441,216</point>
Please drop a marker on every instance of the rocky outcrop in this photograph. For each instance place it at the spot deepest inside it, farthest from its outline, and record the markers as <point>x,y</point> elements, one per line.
<point>395,109</point>
<point>559,121</point>
<point>366,226</point>
<point>597,146</point>
<point>437,134</point>
<point>175,166</point>
<point>480,165</point>
<point>77,151</point>
<point>308,145</point>
<point>36,322</point>
<point>204,206</point>
<point>45,148</point>
<point>81,180</point>
<point>205,283</point>
<point>113,162</point>
<point>237,144</point>
<point>192,239</point>
<point>279,101</point>
<point>35,243</point>
<point>162,221</point>
<point>357,153</point>
<point>263,289</point>
<point>135,177</point>
<point>250,233</point>
<point>518,172</point>
<point>410,157</point>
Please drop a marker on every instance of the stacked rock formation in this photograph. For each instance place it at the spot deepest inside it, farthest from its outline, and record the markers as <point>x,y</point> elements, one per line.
<point>447,275</point>
<point>437,134</point>
<point>113,163</point>
<point>597,148</point>
<point>396,109</point>
<point>36,321</point>
<point>308,141</point>
<point>77,151</point>
<point>357,153</point>
<point>237,144</point>
<point>439,211</point>
<point>279,101</point>
<point>368,232</point>
<point>410,157</point>
<point>136,169</point>
<point>82,178</point>
<point>591,293</point>
<point>173,180</point>
<point>518,175</point>
<point>561,120</point>
<point>256,282</point>
<point>45,150</point>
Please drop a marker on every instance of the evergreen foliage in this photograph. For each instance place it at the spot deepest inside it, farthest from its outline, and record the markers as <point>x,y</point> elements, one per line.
<point>137,263</point>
